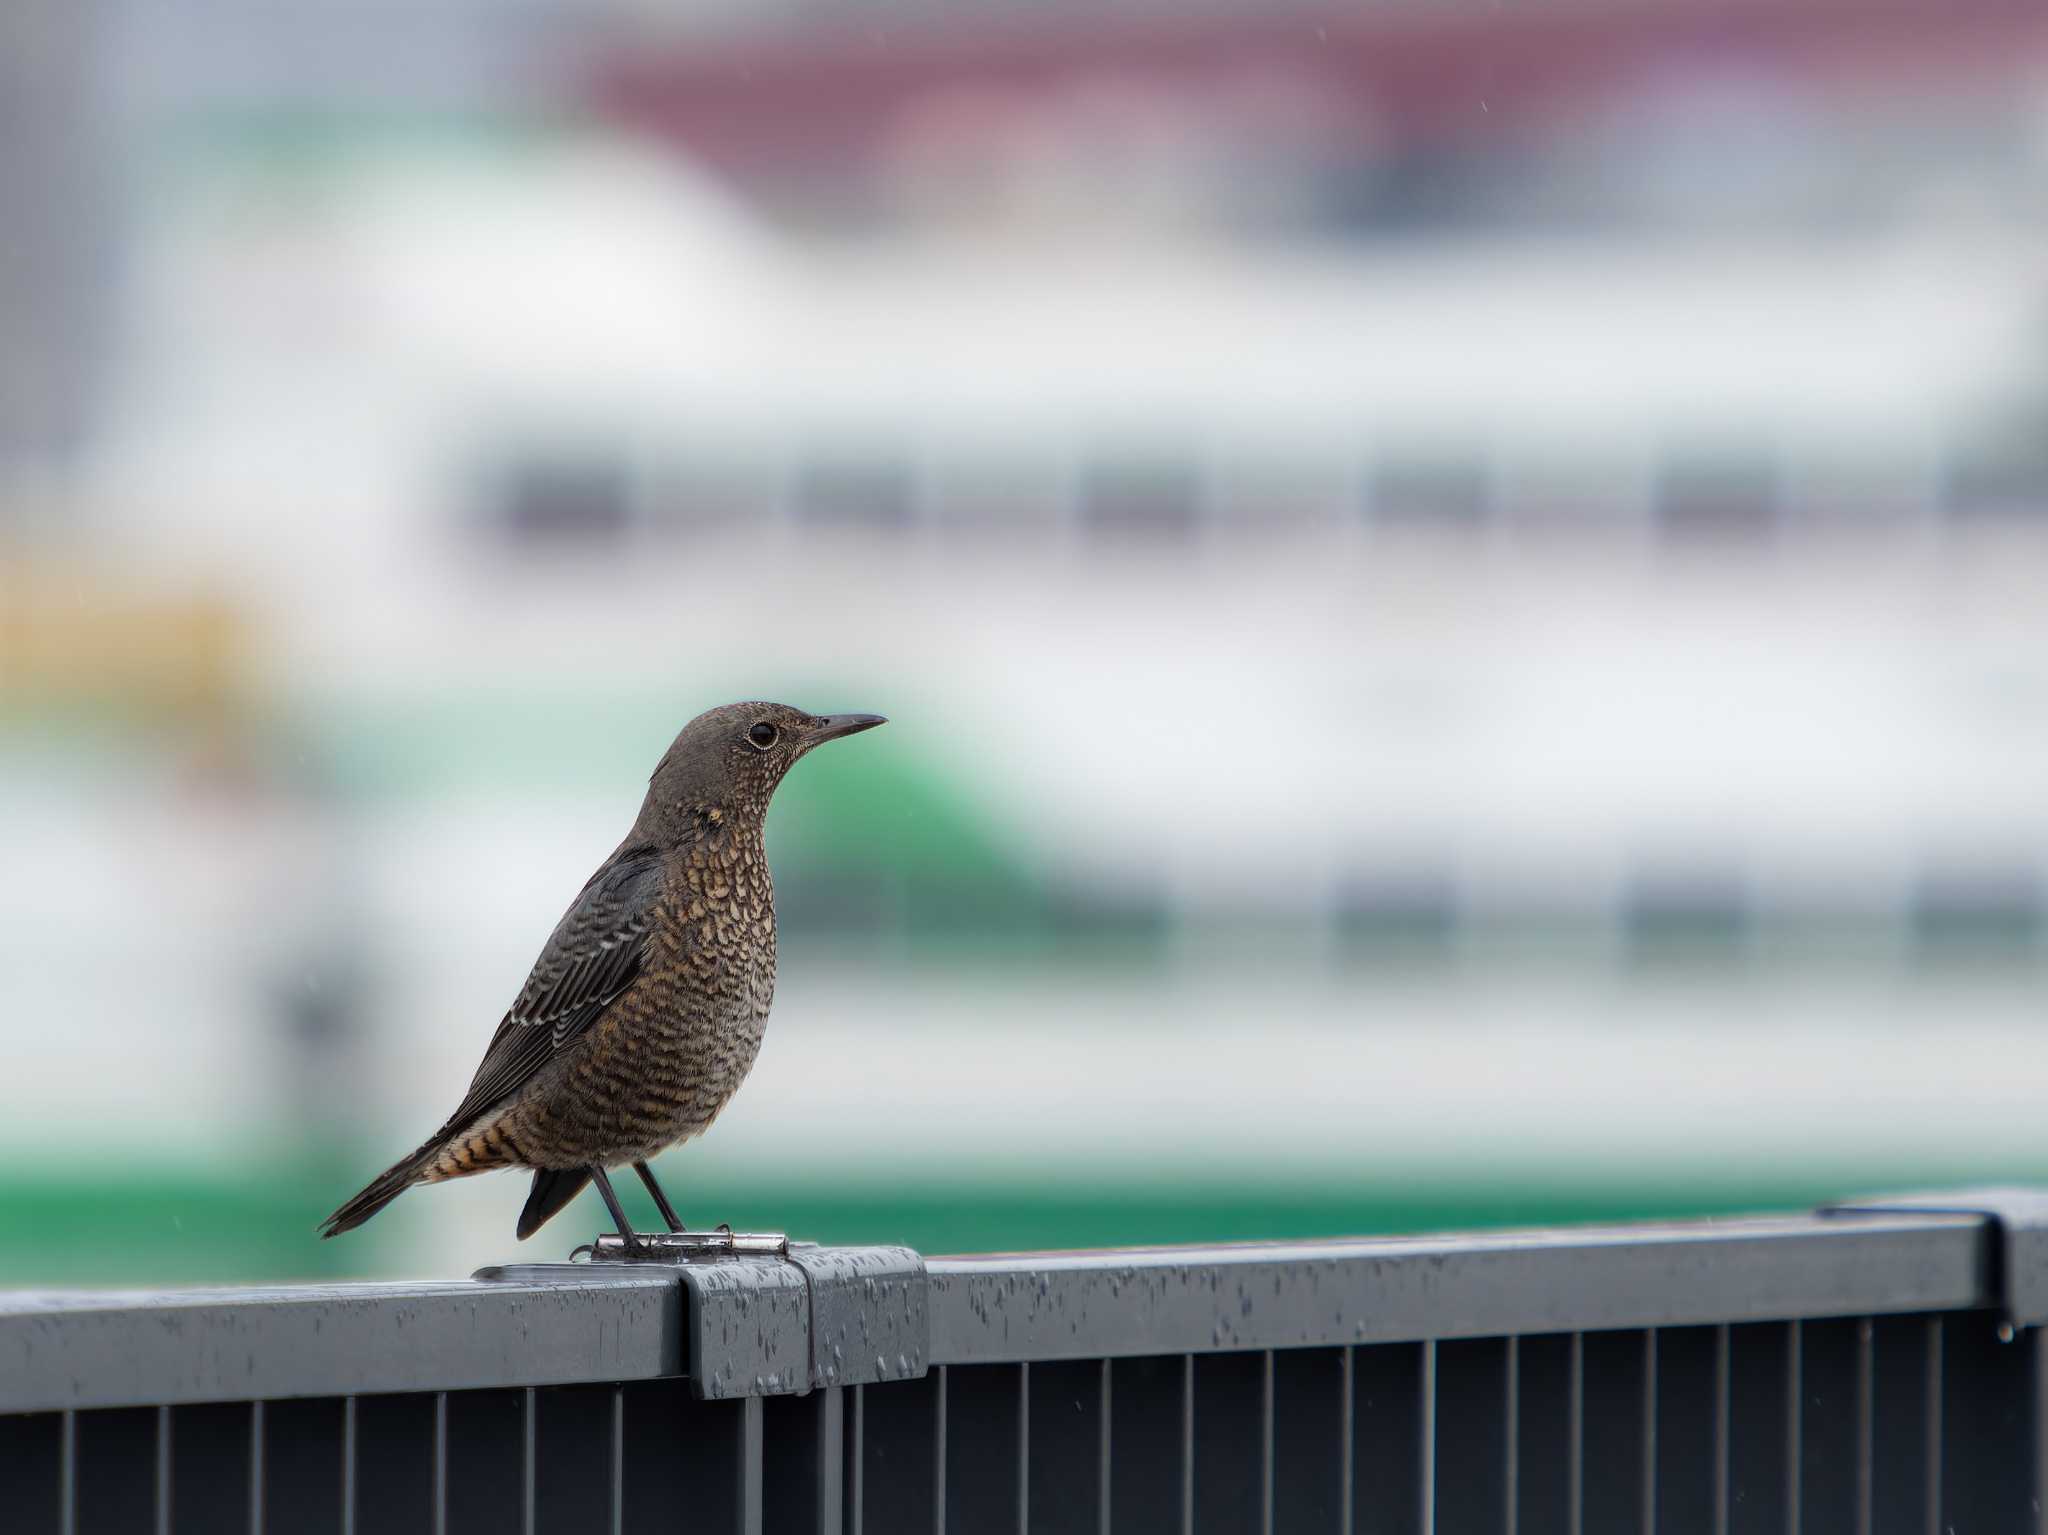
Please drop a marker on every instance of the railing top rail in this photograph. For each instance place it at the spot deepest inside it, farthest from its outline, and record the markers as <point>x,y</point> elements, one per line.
<point>1180,1300</point>
<point>132,1348</point>
<point>761,1325</point>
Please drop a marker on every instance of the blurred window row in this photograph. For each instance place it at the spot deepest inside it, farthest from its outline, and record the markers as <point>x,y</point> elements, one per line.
<point>1681,912</point>
<point>1423,911</point>
<point>556,498</point>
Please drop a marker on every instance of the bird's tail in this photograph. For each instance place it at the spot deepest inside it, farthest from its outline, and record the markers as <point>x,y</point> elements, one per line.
<point>553,1188</point>
<point>385,1187</point>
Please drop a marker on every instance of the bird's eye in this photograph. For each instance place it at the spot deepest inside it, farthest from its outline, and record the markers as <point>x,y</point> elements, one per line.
<point>763,735</point>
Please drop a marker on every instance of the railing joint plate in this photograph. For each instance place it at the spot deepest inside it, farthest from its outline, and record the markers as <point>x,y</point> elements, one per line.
<point>761,1323</point>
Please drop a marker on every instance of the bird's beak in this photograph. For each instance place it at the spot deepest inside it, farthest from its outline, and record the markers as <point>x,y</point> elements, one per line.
<point>833,726</point>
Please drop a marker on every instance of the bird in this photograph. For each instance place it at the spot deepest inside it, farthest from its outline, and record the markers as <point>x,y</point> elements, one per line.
<point>647,1005</point>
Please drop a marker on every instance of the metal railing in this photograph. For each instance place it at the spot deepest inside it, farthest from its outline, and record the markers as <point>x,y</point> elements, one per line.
<point>1870,1369</point>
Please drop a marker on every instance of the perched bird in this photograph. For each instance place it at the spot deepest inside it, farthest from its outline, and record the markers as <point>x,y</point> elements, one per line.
<point>645,1009</point>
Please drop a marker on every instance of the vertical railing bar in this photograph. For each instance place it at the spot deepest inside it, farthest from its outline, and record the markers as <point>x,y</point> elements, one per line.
<point>1649,1405</point>
<point>831,1461</point>
<point>440,1463</point>
<point>2039,1489</point>
<point>163,1471</point>
<point>67,1474</point>
<point>257,1452</point>
<point>1187,1444</point>
<point>348,1465</point>
<point>830,1513</point>
<point>1023,1446</point>
<point>1266,1445</point>
<point>1795,1393</point>
<point>529,1512</point>
<point>1105,1448</point>
<point>751,1442</point>
<point>1935,1427</point>
<point>257,1466</point>
<point>1723,1392</point>
<point>1427,1469</point>
<point>1575,1432</point>
<point>1346,1426</point>
<point>939,1455</point>
<point>857,1473</point>
<point>1866,1424</point>
<point>618,1460</point>
<point>1511,1436</point>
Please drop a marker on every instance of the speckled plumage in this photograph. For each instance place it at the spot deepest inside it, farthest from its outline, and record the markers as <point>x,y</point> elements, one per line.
<point>647,1005</point>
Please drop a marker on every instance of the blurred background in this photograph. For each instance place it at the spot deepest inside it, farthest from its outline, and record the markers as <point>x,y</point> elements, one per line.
<point>1463,591</point>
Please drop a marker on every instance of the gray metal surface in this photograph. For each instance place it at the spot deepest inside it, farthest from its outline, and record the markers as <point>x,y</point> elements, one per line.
<point>69,1349</point>
<point>1189,1300</point>
<point>749,1328</point>
<point>1852,1372</point>
<point>2019,1257</point>
<point>744,1326</point>
<point>684,1246</point>
<point>757,1325</point>
<point>870,1313</point>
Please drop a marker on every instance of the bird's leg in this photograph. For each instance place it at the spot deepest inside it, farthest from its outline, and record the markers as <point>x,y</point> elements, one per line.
<point>611,1203</point>
<point>668,1211</point>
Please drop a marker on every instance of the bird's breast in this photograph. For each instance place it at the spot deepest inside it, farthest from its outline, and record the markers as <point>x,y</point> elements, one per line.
<point>670,1053</point>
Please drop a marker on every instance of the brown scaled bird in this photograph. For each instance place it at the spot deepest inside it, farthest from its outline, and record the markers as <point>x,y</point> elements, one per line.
<point>645,1010</point>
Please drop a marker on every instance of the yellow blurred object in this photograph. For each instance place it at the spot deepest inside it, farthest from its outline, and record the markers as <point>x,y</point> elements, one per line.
<point>83,630</point>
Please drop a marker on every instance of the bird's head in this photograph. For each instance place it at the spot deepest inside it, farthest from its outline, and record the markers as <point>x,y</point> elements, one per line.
<point>733,757</point>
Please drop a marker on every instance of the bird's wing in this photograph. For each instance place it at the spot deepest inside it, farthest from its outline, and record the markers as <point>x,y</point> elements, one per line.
<point>590,959</point>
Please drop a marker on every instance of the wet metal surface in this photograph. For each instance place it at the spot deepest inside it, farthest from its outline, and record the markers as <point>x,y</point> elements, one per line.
<point>762,1325</point>
<point>66,1349</point>
<point>1849,1372</point>
<point>2019,1257</point>
<point>1181,1300</point>
<point>748,1325</point>
<point>819,1318</point>
<point>749,1328</point>
<point>870,1318</point>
